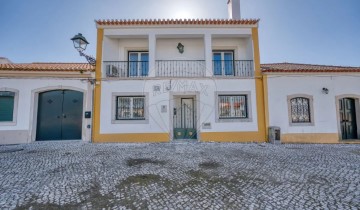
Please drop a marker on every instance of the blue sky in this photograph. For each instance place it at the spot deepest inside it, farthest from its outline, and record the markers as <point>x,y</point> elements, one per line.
<point>301,31</point>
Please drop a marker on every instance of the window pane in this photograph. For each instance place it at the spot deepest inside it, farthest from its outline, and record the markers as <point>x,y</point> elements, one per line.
<point>217,63</point>
<point>300,110</point>
<point>123,108</point>
<point>6,106</point>
<point>228,62</point>
<point>133,64</point>
<point>224,107</point>
<point>138,108</point>
<point>240,106</point>
<point>144,64</point>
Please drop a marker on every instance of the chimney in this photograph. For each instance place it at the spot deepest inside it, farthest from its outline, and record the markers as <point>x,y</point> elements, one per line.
<point>4,60</point>
<point>234,9</point>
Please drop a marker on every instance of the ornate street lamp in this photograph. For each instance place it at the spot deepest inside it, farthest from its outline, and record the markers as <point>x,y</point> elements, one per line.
<point>80,44</point>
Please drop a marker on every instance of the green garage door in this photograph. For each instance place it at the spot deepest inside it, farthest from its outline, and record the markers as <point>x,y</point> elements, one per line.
<point>59,115</point>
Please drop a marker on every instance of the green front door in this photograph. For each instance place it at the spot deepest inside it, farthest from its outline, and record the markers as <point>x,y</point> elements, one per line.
<point>59,115</point>
<point>348,118</point>
<point>184,120</point>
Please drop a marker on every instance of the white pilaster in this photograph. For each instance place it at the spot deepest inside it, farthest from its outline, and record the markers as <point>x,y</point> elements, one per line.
<point>152,54</point>
<point>208,55</point>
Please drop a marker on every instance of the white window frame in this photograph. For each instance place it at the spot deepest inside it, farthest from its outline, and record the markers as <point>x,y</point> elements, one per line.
<point>138,71</point>
<point>222,52</point>
<point>311,109</point>
<point>114,119</point>
<point>234,93</point>
<point>15,108</point>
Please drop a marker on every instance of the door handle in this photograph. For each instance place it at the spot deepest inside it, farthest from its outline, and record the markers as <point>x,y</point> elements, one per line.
<point>64,115</point>
<point>58,117</point>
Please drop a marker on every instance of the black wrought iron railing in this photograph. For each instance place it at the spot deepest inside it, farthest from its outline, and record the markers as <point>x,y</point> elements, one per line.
<point>180,68</point>
<point>126,68</point>
<point>237,68</point>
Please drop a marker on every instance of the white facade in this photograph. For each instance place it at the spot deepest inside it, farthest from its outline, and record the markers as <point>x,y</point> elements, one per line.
<point>324,106</point>
<point>174,75</point>
<point>204,92</point>
<point>23,127</point>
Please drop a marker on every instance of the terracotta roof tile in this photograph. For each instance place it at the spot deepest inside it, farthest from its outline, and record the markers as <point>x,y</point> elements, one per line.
<point>305,68</point>
<point>66,67</point>
<point>176,22</point>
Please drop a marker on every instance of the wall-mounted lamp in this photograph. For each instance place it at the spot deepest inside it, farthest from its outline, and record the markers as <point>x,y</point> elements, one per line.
<point>180,47</point>
<point>325,90</point>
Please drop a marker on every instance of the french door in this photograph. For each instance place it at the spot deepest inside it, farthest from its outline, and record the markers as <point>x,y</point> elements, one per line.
<point>348,118</point>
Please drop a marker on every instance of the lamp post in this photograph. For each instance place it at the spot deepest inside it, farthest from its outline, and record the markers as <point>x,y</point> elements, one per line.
<point>80,44</point>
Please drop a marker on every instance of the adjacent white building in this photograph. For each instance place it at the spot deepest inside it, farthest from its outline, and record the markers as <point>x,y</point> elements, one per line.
<point>314,103</point>
<point>45,101</point>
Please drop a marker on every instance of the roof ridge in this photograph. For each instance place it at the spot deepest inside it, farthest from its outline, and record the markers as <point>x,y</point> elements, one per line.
<point>167,19</point>
<point>56,63</point>
<point>193,21</point>
<point>306,64</point>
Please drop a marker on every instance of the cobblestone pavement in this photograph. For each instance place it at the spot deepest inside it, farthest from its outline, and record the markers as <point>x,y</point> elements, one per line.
<point>75,175</point>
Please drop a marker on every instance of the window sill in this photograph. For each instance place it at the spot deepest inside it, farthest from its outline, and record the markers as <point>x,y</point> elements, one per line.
<point>230,120</point>
<point>301,124</point>
<point>9,123</point>
<point>145,121</point>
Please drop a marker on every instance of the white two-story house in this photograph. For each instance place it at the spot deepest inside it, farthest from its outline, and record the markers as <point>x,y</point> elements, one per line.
<point>162,80</point>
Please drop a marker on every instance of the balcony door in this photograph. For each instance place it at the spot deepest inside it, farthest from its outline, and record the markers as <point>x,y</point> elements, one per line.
<point>138,64</point>
<point>223,63</point>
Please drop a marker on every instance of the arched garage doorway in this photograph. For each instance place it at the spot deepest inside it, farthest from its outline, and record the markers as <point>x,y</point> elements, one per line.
<point>59,115</point>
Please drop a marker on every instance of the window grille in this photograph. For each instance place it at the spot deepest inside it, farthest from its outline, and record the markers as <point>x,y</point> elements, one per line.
<point>233,106</point>
<point>130,108</point>
<point>300,110</point>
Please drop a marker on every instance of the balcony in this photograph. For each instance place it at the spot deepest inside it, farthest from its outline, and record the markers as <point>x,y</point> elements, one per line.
<point>233,68</point>
<point>180,68</point>
<point>125,69</point>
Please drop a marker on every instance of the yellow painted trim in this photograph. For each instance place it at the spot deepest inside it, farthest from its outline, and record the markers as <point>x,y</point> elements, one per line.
<point>266,105</point>
<point>314,138</point>
<point>232,137</point>
<point>112,138</point>
<point>259,86</point>
<point>133,138</point>
<point>97,87</point>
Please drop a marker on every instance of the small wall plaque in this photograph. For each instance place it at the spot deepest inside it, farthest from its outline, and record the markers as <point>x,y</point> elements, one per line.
<point>156,88</point>
<point>163,108</point>
<point>206,125</point>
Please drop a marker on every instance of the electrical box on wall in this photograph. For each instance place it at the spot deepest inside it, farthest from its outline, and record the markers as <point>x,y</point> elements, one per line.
<point>87,115</point>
